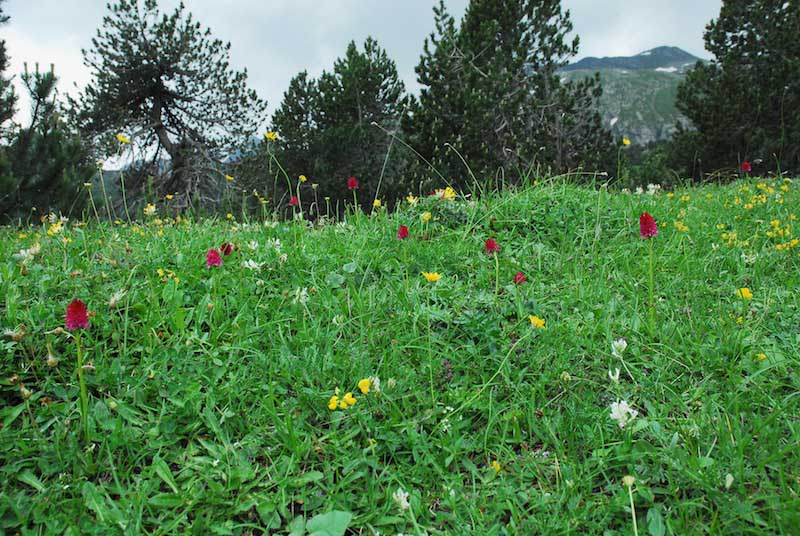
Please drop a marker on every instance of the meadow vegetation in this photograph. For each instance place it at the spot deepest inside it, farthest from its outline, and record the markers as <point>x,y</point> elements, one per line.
<point>251,376</point>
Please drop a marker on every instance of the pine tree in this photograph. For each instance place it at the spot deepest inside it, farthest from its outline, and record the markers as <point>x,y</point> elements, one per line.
<point>164,80</point>
<point>363,88</point>
<point>47,162</point>
<point>745,103</point>
<point>327,129</point>
<point>494,83</point>
<point>8,98</point>
<point>296,127</point>
<point>437,117</point>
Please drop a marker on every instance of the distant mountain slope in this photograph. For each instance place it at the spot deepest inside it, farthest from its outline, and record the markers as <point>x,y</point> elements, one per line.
<point>639,92</point>
<point>661,58</point>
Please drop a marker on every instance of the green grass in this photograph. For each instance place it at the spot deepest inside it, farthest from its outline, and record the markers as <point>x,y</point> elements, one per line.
<point>209,392</point>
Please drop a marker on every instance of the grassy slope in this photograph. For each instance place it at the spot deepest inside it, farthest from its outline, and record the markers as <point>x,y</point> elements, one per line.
<point>215,420</point>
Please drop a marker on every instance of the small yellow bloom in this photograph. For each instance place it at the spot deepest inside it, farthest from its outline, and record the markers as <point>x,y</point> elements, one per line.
<point>432,277</point>
<point>761,357</point>
<point>229,216</point>
<point>347,400</point>
<point>363,385</point>
<point>745,293</point>
<point>333,403</point>
<point>496,466</point>
<point>626,142</point>
<point>87,184</point>
<point>425,217</point>
<point>686,198</point>
<point>271,136</point>
<point>149,209</point>
<point>22,235</point>
<point>376,203</point>
<point>122,138</point>
<point>169,197</point>
<point>302,178</point>
<point>670,195</point>
<point>412,200</point>
<point>228,178</point>
<point>536,322</point>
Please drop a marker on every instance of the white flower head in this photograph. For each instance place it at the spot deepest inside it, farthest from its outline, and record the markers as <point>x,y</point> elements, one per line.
<point>622,413</point>
<point>26,255</point>
<point>375,382</point>
<point>401,498</point>
<point>115,298</point>
<point>618,347</point>
<point>253,245</point>
<point>283,258</point>
<point>300,296</point>
<point>614,376</point>
<point>252,265</point>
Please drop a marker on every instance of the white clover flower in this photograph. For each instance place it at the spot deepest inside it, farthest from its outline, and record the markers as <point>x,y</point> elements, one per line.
<point>252,265</point>
<point>115,298</point>
<point>300,296</point>
<point>401,498</point>
<point>283,258</point>
<point>253,245</point>
<point>622,413</point>
<point>618,347</point>
<point>26,255</point>
<point>614,376</point>
<point>376,383</point>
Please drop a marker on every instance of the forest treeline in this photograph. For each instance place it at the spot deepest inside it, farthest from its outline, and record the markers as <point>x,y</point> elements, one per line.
<point>165,107</point>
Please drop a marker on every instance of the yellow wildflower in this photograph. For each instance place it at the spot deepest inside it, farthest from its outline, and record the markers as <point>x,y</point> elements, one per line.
<point>425,217</point>
<point>302,178</point>
<point>686,198</point>
<point>229,216</point>
<point>432,277</point>
<point>670,195</point>
<point>745,293</point>
<point>363,385</point>
<point>376,203</point>
<point>536,322</point>
<point>169,197</point>
<point>626,142</point>
<point>122,138</point>
<point>496,466</point>
<point>333,403</point>
<point>411,200</point>
<point>149,209</point>
<point>761,357</point>
<point>228,178</point>
<point>271,136</point>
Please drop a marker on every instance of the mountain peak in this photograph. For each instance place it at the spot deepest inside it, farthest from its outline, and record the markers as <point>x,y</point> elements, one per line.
<point>663,58</point>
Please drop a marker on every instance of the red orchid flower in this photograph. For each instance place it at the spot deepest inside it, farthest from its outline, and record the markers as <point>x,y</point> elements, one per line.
<point>77,316</point>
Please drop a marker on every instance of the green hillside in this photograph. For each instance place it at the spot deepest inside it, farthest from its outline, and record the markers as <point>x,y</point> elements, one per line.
<point>639,92</point>
<point>638,104</point>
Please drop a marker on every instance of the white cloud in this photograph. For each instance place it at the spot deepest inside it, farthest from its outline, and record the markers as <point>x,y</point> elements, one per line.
<point>277,39</point>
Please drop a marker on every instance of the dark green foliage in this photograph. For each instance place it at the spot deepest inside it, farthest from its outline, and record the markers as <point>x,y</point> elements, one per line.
<point>745,103</point>
<point>7,96</point>
<point>327,127</point>
<point>164,80</point>
<point>45,164</point>
<point>490,89</point>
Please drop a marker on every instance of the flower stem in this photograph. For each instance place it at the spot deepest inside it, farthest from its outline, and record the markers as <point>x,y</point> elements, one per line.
<point>633,512</point>
<point>84,395</point>
<point>652,290</point>
<point>496,274</point>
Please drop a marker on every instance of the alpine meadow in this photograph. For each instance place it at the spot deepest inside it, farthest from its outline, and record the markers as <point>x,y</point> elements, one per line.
<point>529,295</point>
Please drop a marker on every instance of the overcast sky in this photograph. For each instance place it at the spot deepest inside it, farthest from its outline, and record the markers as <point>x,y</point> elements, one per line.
<point>275,39</point>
